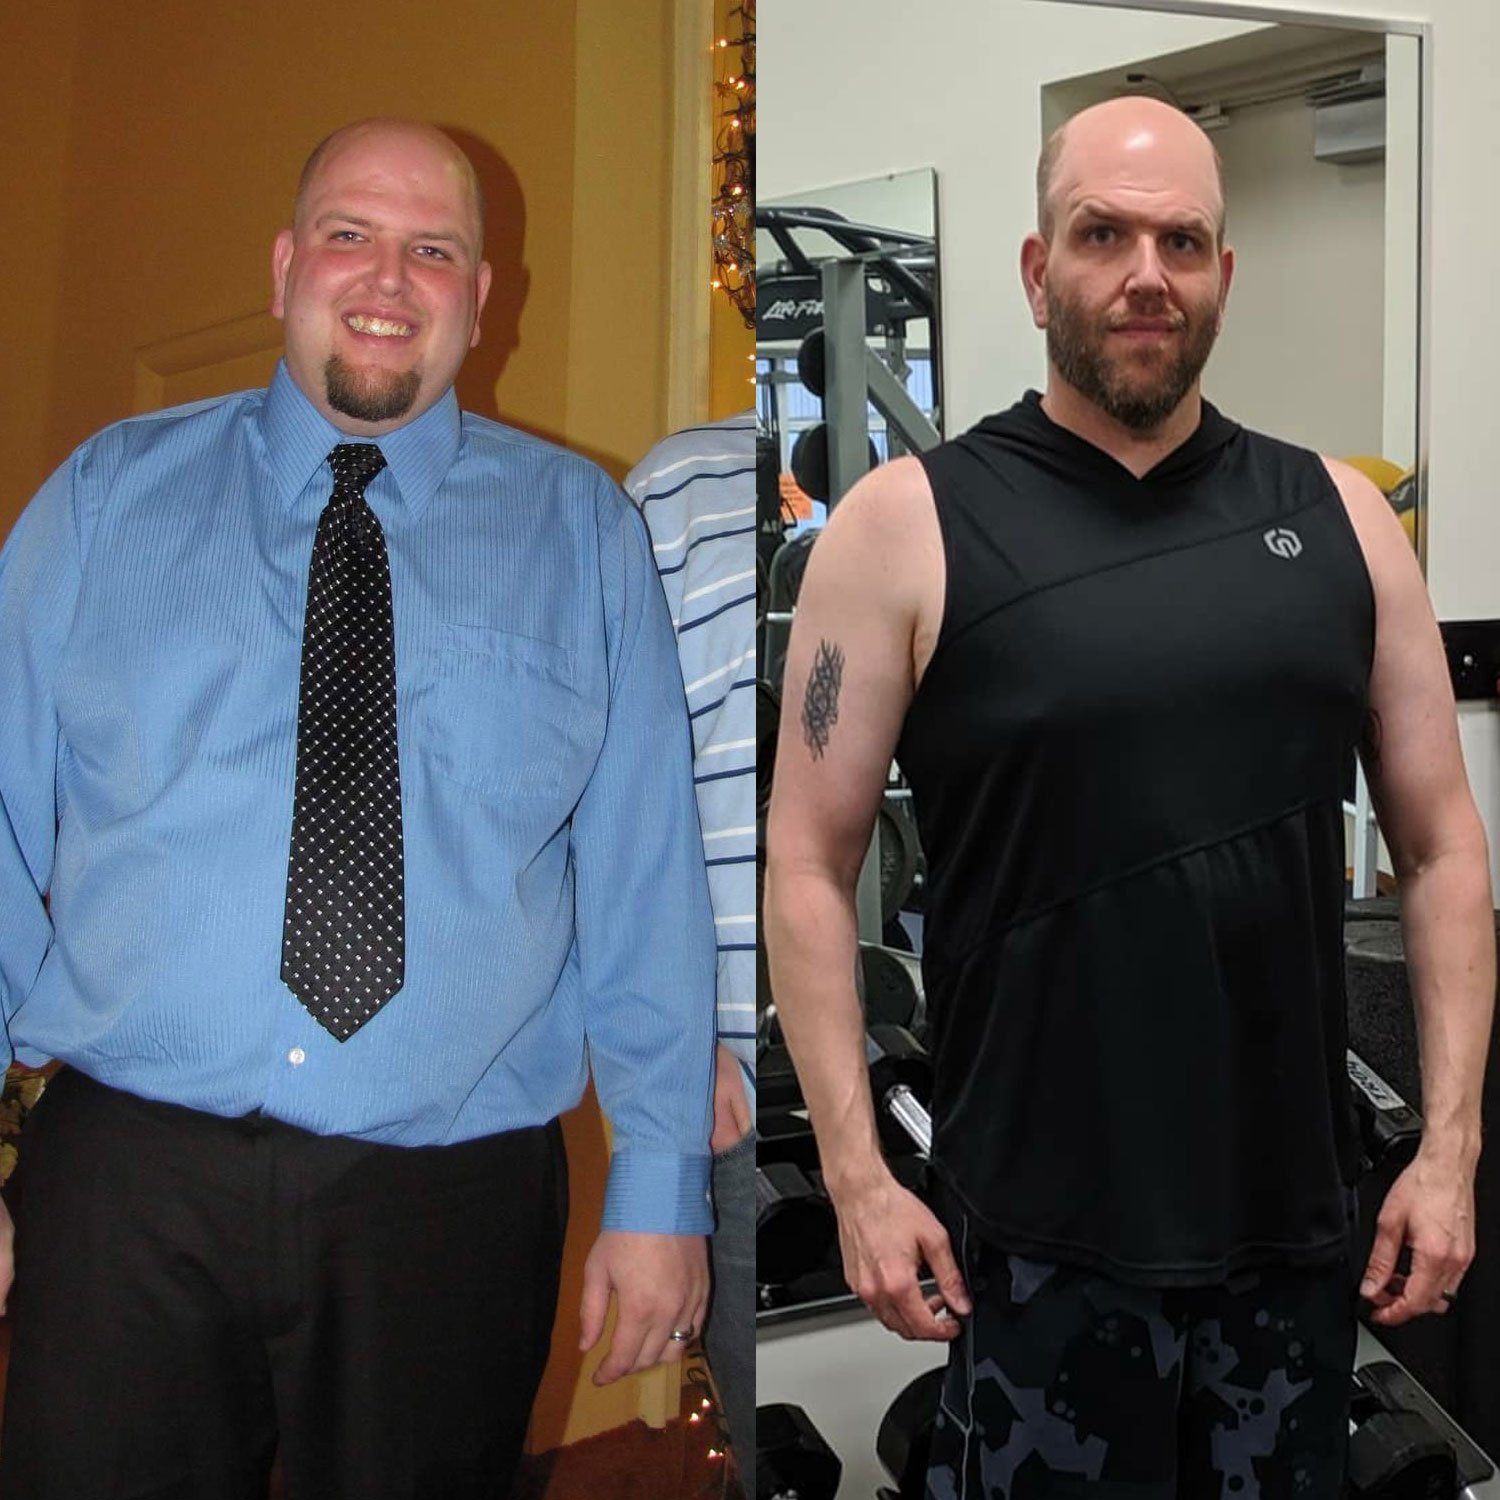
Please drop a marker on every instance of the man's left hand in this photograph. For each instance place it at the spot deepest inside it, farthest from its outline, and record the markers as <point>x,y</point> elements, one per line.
<point>660,1282</point>
<point>731,1109</point>
<point>1430,1207</point>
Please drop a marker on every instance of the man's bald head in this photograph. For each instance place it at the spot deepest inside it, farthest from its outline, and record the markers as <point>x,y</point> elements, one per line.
<point>381,280</point>
<point>1124,139</point>
<point>363,130</point>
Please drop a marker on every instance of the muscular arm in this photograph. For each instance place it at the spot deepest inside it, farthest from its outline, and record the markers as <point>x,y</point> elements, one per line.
<point>1432,828</point>
<point>866,613</point>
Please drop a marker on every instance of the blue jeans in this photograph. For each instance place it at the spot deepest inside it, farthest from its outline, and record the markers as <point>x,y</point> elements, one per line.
<point>730,1333</point>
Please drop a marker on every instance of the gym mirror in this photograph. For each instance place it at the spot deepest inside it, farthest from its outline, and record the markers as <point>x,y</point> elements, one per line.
<point>886,226</point>
<point>1319,132</point>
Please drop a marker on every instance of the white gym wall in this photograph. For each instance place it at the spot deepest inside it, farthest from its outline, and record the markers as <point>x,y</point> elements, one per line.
<point>857,88</point>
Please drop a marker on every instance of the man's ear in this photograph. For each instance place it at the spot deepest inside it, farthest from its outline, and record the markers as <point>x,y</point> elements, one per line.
<point>1034,252</point>
<point>1226,275</point>
<point>281,260</point>
<point>481,293</point>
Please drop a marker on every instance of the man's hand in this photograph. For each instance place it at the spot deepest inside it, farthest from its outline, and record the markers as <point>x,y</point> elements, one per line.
<point>7,1255</point>
<point>886,1234</point>
<point>1431,1208</point>
<point>660,1282</point>
<point>731,1110</point>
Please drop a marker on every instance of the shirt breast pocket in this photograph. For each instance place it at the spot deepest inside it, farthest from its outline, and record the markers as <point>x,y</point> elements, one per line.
<point>498,715</point>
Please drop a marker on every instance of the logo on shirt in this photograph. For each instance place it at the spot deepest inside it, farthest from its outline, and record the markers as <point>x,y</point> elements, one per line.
<point>1283,542</point>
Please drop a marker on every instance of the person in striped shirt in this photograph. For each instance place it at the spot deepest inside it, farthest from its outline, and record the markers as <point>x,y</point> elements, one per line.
<point>696,491</point>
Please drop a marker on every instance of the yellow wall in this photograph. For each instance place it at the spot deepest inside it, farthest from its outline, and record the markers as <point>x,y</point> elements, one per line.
<point>150,152</point>
<point>732,359</point>
<point>149,155</point>
<point>622,158</point>
<point>37,44</point>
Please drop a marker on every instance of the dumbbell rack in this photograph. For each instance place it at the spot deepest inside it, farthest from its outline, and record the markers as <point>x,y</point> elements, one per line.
<point>807,1362</point>
<point>805,1350</point>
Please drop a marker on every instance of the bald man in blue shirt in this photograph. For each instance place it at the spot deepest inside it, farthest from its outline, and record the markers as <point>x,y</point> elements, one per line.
<point>258,1216</point>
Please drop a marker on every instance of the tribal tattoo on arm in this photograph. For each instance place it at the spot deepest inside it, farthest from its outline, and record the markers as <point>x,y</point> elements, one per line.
<point>820,706</point>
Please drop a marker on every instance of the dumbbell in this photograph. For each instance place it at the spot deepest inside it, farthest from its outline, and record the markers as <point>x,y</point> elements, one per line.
<point>900,851</point>
<point>785,1135</point>
<point>904,1442</point>
<point>810,460</point>
<point>795,1226</point>
<point>1390,1130</point>
<point>776,1083</point>
<point>767,1029</point>
<point>792,1459</point>
<point>1403,1445</point>
<point>767,731</point>
<point>889,982</point>
<point>900,1084</point>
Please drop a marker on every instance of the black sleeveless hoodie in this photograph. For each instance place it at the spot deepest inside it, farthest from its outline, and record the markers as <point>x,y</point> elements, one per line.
<point>1128,756</point>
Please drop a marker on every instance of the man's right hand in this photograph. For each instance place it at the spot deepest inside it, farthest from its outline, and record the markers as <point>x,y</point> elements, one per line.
<point>869,612</point>
<point>7,1255</point>
<point>886,1235</point>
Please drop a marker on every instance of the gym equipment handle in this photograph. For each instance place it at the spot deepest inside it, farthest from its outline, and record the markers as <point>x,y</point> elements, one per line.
<point>904,1108</point>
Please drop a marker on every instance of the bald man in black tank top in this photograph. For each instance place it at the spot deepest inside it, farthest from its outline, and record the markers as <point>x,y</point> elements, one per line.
<point>1124,649</point>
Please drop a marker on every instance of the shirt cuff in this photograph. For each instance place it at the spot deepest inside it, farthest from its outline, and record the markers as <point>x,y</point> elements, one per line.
<point>658,1192</point>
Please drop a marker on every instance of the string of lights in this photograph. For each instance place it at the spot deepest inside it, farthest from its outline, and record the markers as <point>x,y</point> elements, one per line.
<point>734,162</point>
<point>706,1419</point>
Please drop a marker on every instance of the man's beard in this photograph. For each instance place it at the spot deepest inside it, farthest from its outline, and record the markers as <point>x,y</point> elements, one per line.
<point>1137,395</point>
<point>368,396</point>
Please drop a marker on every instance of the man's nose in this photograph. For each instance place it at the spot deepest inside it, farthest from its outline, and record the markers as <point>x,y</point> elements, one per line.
<point>390,267</point>
<point>1146,274</point>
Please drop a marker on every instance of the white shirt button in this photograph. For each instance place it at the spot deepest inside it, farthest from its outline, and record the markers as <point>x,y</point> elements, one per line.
<point>296,1057</point>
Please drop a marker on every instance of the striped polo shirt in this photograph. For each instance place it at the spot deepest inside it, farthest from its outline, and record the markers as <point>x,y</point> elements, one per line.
<point>696,490</point>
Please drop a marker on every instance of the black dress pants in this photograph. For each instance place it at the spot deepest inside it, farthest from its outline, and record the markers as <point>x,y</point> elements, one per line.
<point>193,1292</point>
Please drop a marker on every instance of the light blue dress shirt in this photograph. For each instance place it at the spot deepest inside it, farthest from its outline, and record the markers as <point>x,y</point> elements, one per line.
<point>557,914</point>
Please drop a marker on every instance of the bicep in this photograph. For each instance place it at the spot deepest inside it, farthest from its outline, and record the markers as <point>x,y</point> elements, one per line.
<point>847,684</point>
<point>1411,750</point>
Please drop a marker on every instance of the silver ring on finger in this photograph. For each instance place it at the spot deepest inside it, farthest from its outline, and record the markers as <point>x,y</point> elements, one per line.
<point>681,1335</point>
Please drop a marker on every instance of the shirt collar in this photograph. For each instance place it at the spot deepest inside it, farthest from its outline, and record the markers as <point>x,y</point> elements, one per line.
<point>299,438</point>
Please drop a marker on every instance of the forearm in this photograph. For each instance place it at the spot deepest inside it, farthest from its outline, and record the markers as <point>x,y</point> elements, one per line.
<point>811,943</point>
<point>1448,922</point>
<point>644,927</point>
<point>648,1014</point>
<point>39,574</point>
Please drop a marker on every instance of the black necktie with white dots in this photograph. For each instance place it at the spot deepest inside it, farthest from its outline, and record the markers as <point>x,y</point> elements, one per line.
<point>343,943</point>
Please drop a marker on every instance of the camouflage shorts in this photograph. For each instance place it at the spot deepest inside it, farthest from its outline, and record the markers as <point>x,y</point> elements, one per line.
<point>1066,1383</point>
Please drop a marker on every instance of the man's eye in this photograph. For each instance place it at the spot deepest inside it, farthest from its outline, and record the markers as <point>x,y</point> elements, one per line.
<point>1099,234</point>
<point>432,252</point>
<point>345,234</point>
<point>1186,243</point>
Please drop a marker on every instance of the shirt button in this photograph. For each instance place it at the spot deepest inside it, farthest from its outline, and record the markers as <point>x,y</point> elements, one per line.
<point>296,1057</point>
